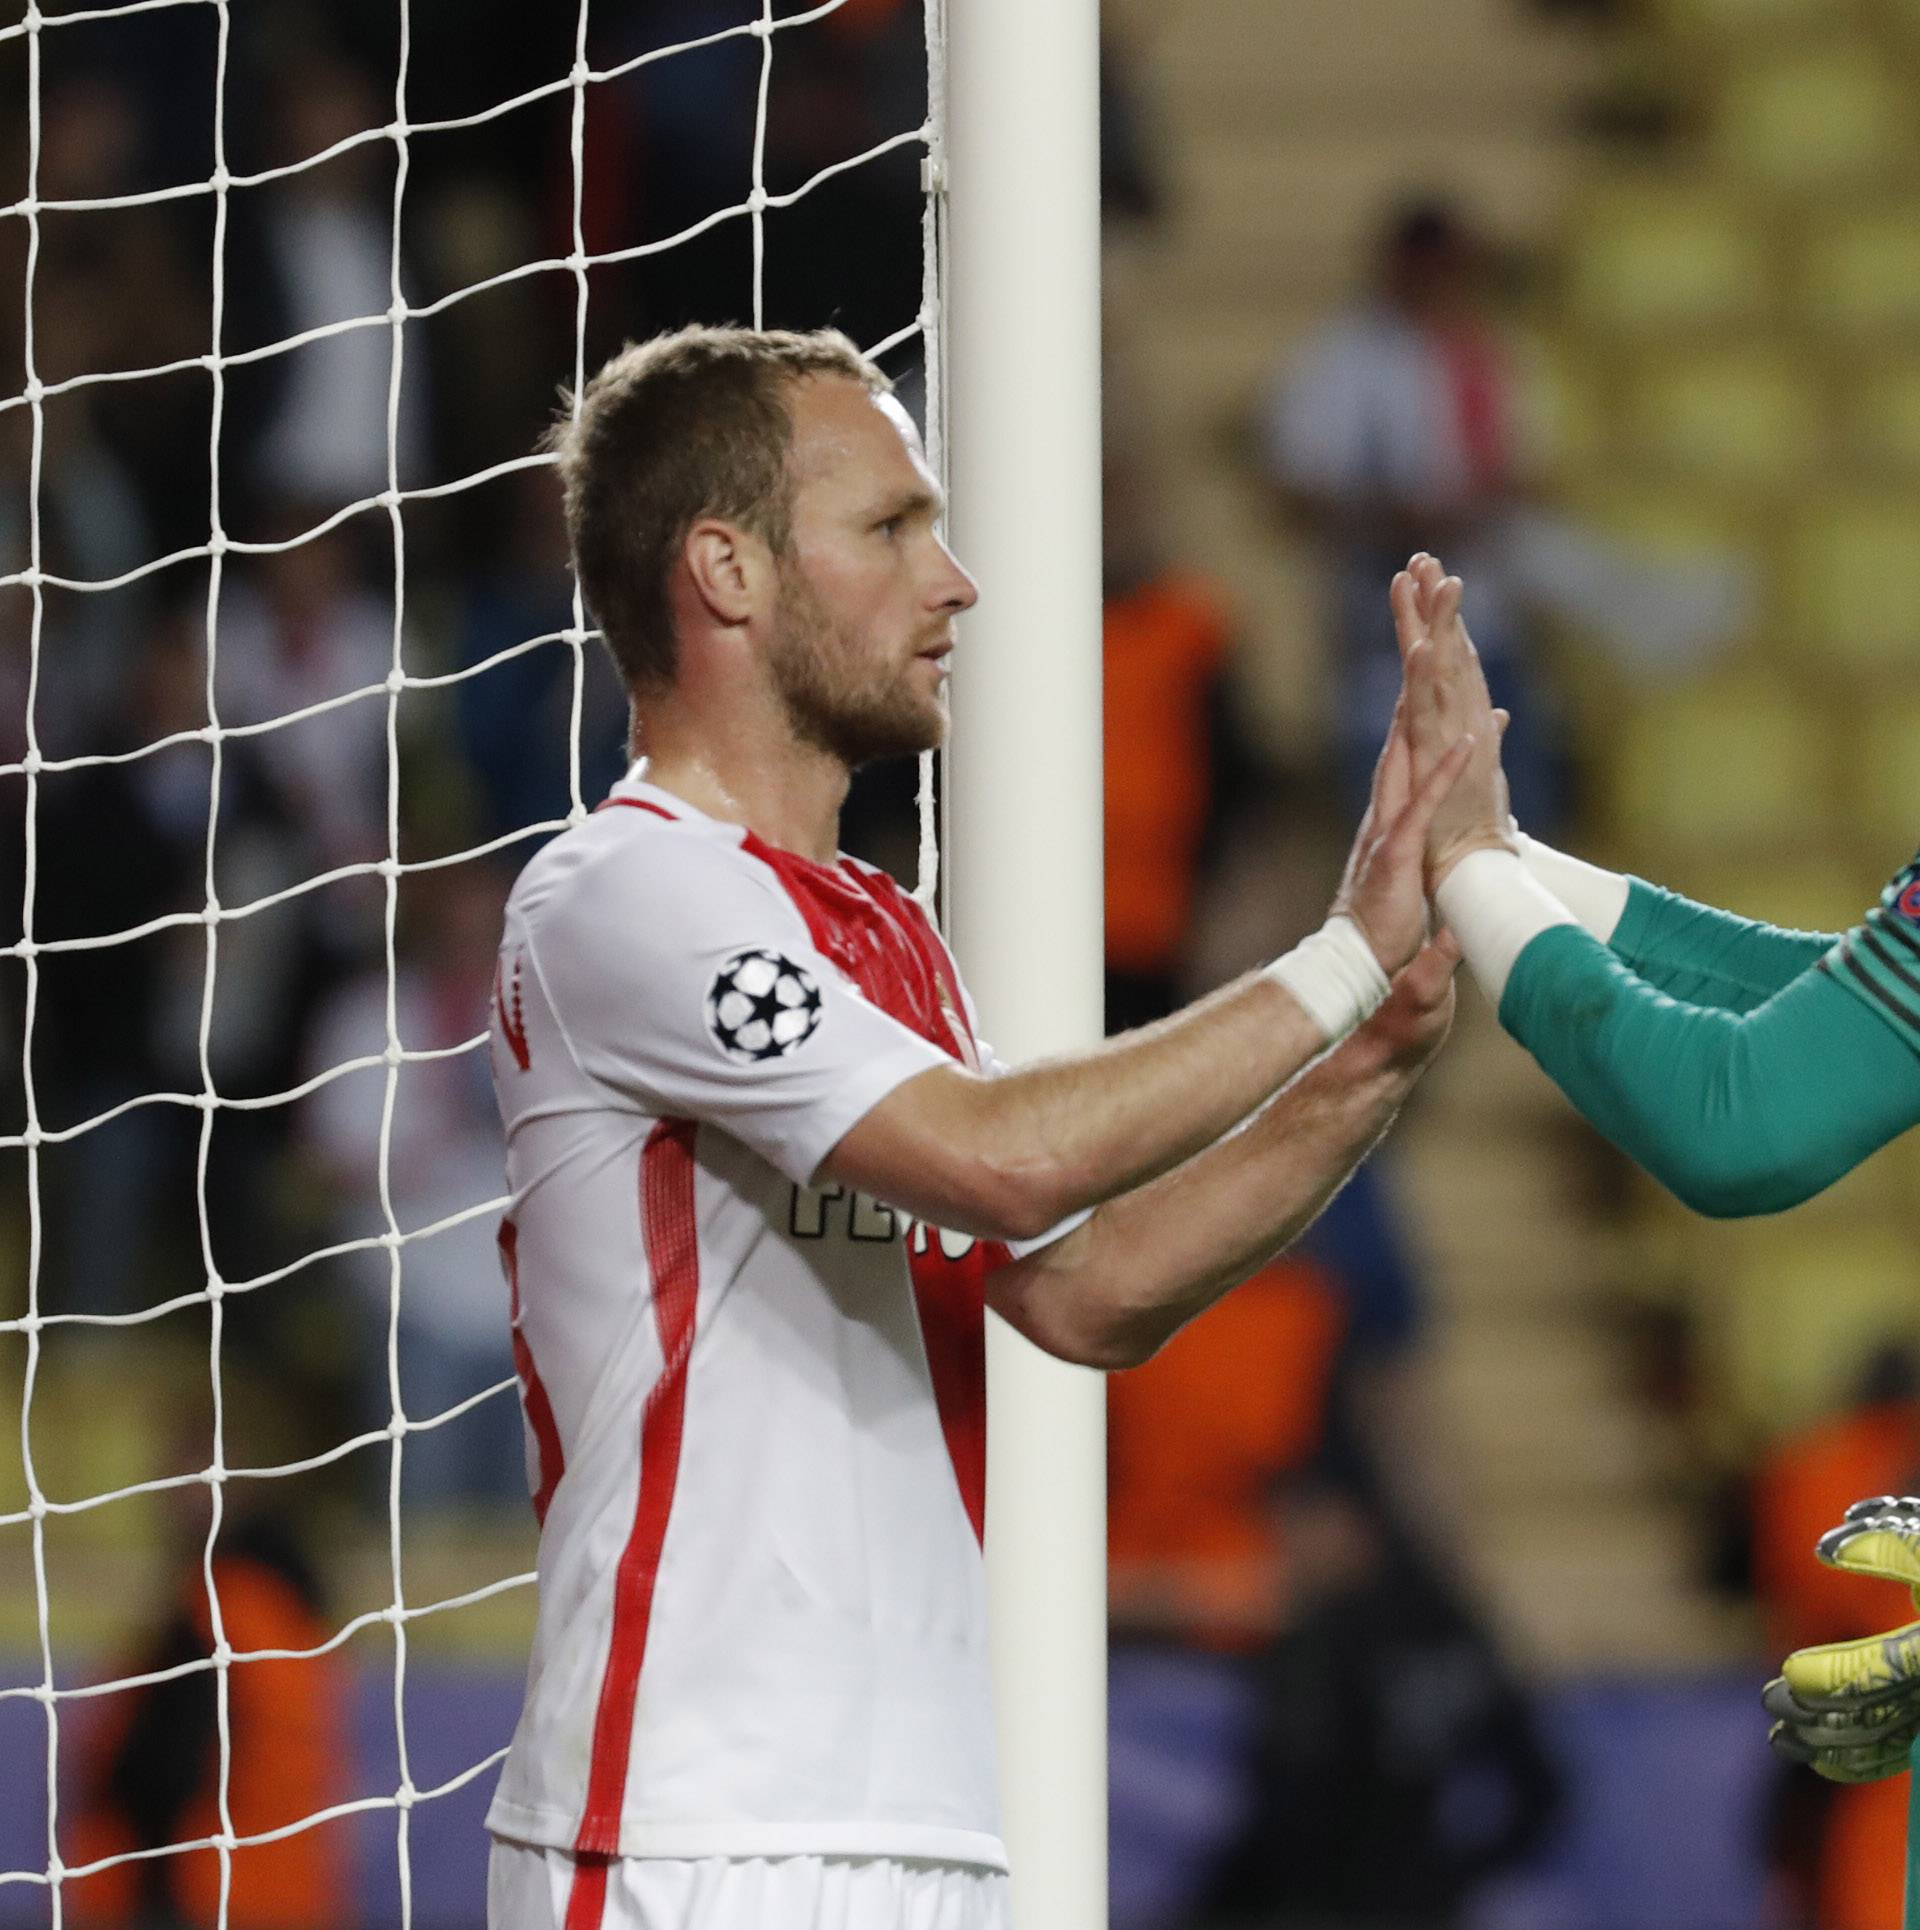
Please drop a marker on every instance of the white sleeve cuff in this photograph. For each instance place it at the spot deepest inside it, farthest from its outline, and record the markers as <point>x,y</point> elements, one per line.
<point>1496,908</point>
<point>1596,897</point>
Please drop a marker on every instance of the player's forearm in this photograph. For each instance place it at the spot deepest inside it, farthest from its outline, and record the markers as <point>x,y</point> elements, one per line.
<point>1116,1289</point>
<point>1090,1128</point>
<point>1009,1158</point>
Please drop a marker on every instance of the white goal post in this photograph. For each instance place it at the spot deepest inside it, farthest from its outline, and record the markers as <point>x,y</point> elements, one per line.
<point>1025,879</point>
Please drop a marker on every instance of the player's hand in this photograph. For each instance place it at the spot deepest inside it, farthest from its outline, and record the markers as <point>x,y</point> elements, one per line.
<point>1383,889</point>
<point>1418,1014</point>
<point>1446,701</point>
<point>1851,1710</point>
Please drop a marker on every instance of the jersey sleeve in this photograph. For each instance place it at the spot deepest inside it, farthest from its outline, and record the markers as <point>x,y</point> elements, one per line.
<point>1737,1113</point>
<point>687,985</point>
<point>1879,960</point>
<point>1704,956</point>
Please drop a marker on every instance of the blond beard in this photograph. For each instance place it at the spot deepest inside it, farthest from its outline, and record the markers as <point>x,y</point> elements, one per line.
<point>829,703</point>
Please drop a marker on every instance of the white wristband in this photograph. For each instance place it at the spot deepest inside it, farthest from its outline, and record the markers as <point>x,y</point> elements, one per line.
<point>1496,908</point>
<point>1334,976</point>
<point>1595,896</point>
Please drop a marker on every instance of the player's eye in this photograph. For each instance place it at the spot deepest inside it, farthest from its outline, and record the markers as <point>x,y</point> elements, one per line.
<point>892,525</point>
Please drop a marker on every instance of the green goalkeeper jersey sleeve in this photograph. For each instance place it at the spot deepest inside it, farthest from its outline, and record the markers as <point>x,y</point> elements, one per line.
<point>1704,956</point>
<point>1747,1107</point>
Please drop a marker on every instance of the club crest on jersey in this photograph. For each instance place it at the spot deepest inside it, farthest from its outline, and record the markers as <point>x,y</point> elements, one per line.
<point>1908,902</point>
<point>761,1005</point>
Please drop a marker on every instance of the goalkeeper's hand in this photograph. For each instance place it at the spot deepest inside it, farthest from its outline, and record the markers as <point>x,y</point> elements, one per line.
<point>1851,1710</point>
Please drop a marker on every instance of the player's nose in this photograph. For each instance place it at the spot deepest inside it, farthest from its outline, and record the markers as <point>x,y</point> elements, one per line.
<point>955,590</point>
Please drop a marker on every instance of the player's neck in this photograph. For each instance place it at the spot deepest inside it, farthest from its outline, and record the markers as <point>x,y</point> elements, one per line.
<point>786,793</point>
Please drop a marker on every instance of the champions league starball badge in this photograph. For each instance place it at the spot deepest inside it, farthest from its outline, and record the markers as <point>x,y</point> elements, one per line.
<point>761,1005</point>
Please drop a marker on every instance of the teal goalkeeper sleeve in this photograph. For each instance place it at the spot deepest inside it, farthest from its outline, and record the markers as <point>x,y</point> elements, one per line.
<point>1736,1111</point>
<point>1707,957</point>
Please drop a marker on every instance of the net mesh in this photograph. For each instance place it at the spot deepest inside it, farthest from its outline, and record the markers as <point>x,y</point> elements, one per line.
<point>55,1681</point>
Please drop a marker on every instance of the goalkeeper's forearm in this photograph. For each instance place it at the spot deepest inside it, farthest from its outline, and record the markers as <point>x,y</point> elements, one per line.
<point>1738,1112</point>
<point>1689,951</point>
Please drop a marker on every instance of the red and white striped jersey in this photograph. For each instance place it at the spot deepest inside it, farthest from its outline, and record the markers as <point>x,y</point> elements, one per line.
<point>755,1408</point>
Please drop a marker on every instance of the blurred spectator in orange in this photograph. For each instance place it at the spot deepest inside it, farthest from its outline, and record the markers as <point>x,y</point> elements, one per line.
<point>1198,1439</point>
<point>147,1769</point>
<point>1177,767</point>
<point>1844,1848</point>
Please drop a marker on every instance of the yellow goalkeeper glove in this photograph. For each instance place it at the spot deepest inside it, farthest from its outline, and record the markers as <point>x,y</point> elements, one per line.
<point>1851,1710</point>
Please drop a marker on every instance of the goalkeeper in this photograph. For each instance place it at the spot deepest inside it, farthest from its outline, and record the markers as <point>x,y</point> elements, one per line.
<point>1745,1067</point>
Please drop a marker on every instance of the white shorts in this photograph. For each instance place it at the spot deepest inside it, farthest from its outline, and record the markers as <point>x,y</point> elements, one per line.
<point>541,1889</point>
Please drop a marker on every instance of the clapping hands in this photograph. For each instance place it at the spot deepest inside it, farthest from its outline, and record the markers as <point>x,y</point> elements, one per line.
<point>1443,703</point>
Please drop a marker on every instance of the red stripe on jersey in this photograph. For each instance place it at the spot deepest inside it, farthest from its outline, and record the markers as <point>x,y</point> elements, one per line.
<point>670,1231</point>
<point>533,1392</point>
<point>886,944</point>
<point>637,804</point>
<point>587,1894</point>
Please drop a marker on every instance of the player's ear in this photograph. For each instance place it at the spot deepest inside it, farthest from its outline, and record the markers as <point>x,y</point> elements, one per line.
<point>731,570</point>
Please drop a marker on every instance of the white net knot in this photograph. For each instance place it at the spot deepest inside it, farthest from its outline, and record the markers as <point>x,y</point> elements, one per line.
<point>217,543</point>
<point>210,913</point>
<point>394,1054</point>
<point>32,19</point>
<point>223,1654</point>
<point>405,1796</point>
<point>216,1287</point>
<point>221,179</point>
<point>389,499</point>
<point>33,388</point>
<point>27,948</point>
<point>396,679</point>
<point>757,199</point>
<point>32,763</point>
<point>388,867</point>
<point>579,74</point>
<point>215,1476</point>
<point>37,1507</point>
<point>34,1136</point>
<point>31,577</point>
<point>56,1870</point>
<point>45,1694</point>
<point>396,313</point>
<point>397,1427</point>
<point>761,28</point>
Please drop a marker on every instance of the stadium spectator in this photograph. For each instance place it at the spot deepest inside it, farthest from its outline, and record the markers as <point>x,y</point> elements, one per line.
<point>516,720</point>
<point>1177,767</point>
<point>443,1159</point>
<point>147,1770</point>
<point>329,235</point>
<point>121,1020</point>
<point>1397,428</point>
<point>298,628</point>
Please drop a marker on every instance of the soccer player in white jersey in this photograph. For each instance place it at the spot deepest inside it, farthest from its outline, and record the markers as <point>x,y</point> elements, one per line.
<point>766,1179</point>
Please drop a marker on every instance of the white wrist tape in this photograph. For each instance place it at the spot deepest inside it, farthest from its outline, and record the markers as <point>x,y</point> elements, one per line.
<point>1597,897</point>
<point>1496,908</point>
<point>1334,976</point>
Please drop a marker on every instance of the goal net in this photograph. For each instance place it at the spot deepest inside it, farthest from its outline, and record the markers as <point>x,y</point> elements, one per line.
<point>294,678</point>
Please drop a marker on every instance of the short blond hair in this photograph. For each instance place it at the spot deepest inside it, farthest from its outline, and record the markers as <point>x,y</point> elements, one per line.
<point>686,425</point>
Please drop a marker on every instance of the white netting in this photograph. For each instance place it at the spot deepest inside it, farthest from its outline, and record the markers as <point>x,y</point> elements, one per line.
<point>58,1684</point>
